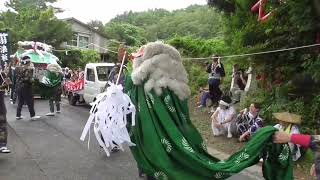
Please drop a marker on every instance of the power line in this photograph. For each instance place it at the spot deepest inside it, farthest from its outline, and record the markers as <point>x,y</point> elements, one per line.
<point>256,53</point>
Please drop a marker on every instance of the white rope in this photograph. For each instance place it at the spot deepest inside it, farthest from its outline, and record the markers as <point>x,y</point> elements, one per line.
<point>82,48</point>
<point>256,53</point>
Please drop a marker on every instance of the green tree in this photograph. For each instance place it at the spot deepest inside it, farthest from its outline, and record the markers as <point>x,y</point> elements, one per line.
<point>89,56</point>
<point>129,34</point>
<point>97,25</point>
<point>293,23</point>
<point>36,24</point>
<point>18,5</point>
<point>77,58</point>
<point>196,21</point>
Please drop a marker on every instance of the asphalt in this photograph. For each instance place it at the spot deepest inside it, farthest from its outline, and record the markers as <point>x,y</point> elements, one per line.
<point>50,149</point>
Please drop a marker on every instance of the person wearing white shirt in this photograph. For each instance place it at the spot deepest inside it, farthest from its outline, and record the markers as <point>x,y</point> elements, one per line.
<point>222,117</point>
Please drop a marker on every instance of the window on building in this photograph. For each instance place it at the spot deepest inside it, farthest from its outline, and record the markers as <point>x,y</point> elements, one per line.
<point>79,40</point>
<point>74,40</point>
<point>90,75</point>
<point>83,41</point>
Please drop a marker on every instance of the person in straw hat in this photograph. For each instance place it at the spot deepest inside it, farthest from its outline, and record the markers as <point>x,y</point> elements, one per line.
<point>306,141</point>
<point>288,123</point>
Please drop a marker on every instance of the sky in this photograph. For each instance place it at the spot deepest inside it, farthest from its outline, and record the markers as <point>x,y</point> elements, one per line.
<point>104,10</point>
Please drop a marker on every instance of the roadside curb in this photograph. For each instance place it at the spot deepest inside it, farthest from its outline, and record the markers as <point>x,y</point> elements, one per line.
<point>253,172</point>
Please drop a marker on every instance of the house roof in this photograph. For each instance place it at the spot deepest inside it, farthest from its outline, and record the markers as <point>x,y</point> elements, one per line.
<point>83,24</point>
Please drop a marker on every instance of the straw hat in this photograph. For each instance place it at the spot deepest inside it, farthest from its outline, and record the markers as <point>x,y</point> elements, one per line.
<point>288,117</point>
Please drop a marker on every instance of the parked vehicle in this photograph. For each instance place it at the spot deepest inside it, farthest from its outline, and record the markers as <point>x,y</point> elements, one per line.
<point>93,83</point>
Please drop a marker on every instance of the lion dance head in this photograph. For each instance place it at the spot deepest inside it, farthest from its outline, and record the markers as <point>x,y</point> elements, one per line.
<point>160,66</point>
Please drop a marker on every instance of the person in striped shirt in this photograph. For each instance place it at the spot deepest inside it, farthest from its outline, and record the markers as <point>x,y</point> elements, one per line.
<point>248,122</point>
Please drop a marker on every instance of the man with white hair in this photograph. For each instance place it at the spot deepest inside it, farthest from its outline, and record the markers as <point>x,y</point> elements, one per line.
<point>24,87</point>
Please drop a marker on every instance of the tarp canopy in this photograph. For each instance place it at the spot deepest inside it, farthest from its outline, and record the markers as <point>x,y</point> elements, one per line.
<point>44,57</point>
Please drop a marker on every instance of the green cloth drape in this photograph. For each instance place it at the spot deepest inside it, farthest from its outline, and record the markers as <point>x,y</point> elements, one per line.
<point>48,89</point>
<point>168,146</point>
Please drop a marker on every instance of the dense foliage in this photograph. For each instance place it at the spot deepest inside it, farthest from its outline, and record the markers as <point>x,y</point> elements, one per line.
<point>293,23</point>
<point>77,58</point>
<point>31,20</point>
<point>159,24</point>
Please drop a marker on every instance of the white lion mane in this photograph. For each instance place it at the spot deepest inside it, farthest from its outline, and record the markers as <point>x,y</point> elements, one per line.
<point>161,66</point>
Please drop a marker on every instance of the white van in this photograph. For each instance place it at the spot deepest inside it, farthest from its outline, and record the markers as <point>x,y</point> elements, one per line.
<point>95,80</point>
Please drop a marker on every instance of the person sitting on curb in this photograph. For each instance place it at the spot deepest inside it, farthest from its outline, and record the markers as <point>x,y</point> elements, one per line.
<point>288,123</point>
<point>306,141</point>
<point>248,122</point>
<point>223,117</point>
<point>204,97</point>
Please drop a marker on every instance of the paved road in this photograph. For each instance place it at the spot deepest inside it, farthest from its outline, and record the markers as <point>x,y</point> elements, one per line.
<point>50,149</point>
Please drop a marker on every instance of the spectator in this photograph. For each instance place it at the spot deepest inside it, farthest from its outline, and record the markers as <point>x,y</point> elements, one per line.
<point>205,96</point>
<point>222,118</point>
<point>74,76</point>
<point>287,123</point>
<point>67,74</point>
<point>248,122</point>
<point>24,87</point>
<point>240,81</point>
<point>216,73</point>
<point>4,83</point>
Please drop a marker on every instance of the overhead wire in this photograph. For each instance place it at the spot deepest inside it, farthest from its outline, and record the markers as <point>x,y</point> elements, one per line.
<point>257,53</point>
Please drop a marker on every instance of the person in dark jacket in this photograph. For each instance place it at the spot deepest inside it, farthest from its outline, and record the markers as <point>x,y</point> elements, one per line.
<point>24,87</point>
<point>216,73</point>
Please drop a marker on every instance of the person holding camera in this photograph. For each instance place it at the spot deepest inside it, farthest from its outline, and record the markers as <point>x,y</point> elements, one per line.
<point>239,82</point>
<point>24,87</point>
<point>216,73</point>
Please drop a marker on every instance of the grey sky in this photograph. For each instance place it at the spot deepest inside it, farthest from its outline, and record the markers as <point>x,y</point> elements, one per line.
<point>103,10</point>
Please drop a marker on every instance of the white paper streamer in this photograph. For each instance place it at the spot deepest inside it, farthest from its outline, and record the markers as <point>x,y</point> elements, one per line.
<point>109,116</point>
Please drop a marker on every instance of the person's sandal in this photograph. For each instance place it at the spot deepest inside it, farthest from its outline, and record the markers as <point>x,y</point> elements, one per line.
<point>4,150</point>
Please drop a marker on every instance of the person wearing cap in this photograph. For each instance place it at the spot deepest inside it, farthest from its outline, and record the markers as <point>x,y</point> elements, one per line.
<point>248,122</point>
<point>305,141</point>
<point>216,73</point>
<point>24,87</point>
<point>288,123</point>
<point>223,117</point>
